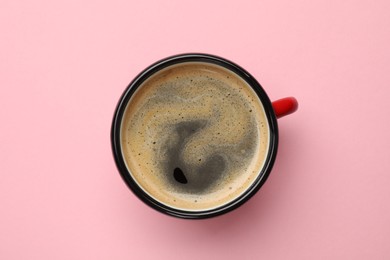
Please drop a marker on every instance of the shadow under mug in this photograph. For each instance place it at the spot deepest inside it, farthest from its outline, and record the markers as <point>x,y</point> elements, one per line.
<point>273,110</point>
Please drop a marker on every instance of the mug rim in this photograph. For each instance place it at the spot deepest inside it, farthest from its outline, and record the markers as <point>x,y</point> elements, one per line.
<point>173,60</point>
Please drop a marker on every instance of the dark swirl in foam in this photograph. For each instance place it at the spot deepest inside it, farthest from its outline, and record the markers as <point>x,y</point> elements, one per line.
<point>194,136</point>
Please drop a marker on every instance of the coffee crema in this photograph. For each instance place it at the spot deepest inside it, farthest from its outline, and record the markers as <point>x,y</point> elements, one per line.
<point>194,136</point>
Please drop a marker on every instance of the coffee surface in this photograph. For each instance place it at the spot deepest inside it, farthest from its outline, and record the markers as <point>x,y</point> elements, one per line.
<point>194,136</point>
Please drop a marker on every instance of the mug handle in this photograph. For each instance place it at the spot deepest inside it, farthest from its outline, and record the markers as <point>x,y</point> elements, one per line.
<point>285,106</point>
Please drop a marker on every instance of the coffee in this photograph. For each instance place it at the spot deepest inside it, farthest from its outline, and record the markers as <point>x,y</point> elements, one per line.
<point>194,136</point>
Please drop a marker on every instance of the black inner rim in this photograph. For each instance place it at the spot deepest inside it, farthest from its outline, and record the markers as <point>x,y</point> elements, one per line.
<point>117,120</point>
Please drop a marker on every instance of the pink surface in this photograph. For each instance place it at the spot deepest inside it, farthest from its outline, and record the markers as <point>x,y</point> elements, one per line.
<point>64,65</point>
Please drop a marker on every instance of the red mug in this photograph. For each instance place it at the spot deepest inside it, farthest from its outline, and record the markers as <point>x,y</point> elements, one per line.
<point>272,111</point>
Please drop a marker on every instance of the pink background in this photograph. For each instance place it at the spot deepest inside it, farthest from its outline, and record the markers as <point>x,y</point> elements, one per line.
<point>64,65</point>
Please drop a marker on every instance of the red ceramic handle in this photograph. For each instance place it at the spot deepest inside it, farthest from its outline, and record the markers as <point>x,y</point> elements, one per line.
<point>285,106</point>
